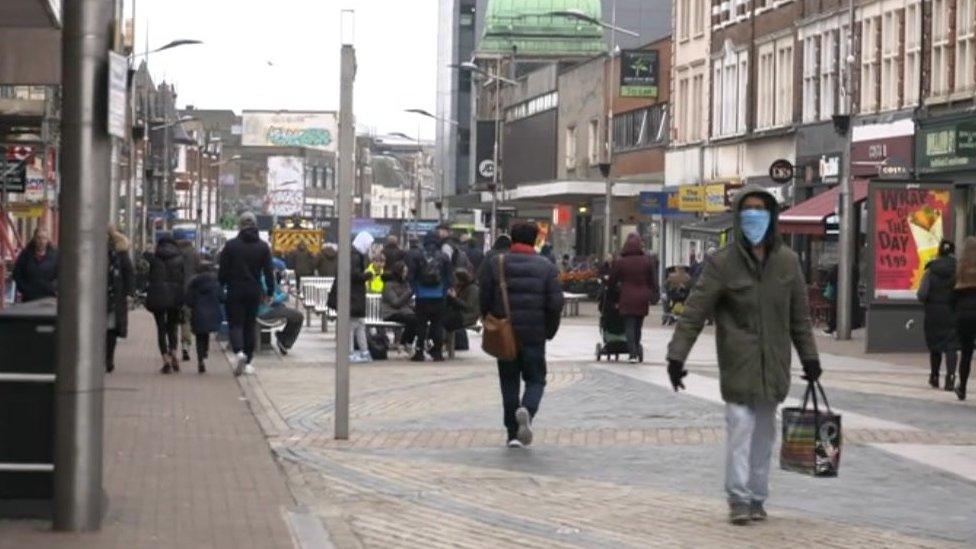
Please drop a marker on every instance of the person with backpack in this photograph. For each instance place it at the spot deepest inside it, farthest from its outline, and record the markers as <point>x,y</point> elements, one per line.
<point>164,298</point>
<point>203,298</point>
<point>120,287</point>
<point>432,280</point>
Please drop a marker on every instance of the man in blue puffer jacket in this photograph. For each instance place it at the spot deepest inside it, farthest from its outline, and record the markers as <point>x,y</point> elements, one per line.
<point>278,309</point>
<point>432,279</point>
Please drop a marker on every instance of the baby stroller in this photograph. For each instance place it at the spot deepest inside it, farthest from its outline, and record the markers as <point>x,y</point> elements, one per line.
<point>612,328</point>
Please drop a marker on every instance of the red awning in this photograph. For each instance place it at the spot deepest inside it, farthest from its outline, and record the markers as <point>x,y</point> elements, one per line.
<point>808,217</point>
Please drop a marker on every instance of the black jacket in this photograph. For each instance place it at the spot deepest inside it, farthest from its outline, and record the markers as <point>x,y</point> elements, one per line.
<point>535,296</point>
<point>243,261</point>
<point>936,292</point>
<point>120,286</point>
<point>204,297</point>
<point>167,277</point>
<point>36,279</point>
<point>475,256</point>
<point>357,280</point>
<point>393,254</point>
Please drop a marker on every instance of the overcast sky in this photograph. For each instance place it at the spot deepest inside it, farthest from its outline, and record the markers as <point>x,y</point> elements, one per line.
<point>284,54</point>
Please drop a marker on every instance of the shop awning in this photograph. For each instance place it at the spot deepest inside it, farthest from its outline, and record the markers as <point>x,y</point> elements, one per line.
<point>708,228</point>
<point>808,217</point>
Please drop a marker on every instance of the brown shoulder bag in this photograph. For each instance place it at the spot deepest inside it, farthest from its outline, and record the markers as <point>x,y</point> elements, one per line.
<point>498,339</point>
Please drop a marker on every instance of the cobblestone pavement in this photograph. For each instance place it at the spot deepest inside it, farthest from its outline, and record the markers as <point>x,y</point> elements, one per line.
<point>619,460</point>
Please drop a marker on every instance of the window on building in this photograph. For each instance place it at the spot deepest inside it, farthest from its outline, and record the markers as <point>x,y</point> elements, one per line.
<point>766,86</point>
<point>697,115</point>
<point>684,18</point>
<point>701,17</point>
<point>730,76</point>
<point>829,63</point>
<point>741,9</point>
<point>811,78</point>
<point>593,142</point>
<point>682,118</point>
<point>571,148</point>
<point>717,98</point>
<point>870,63</point>
<point>940,47</point>
<point>965,45</point>
<point>721,12</point>
<point>640,128</point>
<point>891,59</point>
<point>784,82</point>
<point>913,53</point>
<point>385,212</point>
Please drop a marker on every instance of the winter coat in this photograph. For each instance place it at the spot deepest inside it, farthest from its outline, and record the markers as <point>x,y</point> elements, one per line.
<point>191,259</point>
<point>759,309</point>
<point>397,298</point>
<point>417,261</point>
<point>303,262</point>
<point>936,292</point>
<point>243,261</point>
<point>534,294</point>
<point>35,278</point>
<point>475,255</point>
<point>636,274</point>
<point>328,262</point>
<point>357,282</point>
<point>204,297</point>
<point>393,254</point>
<point>121,285</point>
<point>467,302</point>
<point>167,277</point>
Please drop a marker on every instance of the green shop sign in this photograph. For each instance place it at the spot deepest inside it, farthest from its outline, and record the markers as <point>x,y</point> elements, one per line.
<point>946,146</point>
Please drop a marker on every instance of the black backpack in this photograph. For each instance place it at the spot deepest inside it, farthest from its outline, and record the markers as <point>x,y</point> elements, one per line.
<point>430,271</point>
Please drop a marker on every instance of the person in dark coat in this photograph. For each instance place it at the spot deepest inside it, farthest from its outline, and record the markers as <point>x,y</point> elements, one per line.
<point>36,268</point>
<point>636,274</point>
<point>432,279</point>
<point>357,297</point>
<point>964,305</point>
<point>472,247</point>
<point>936,293</point>
<point>328,262</point>
<point>392,252</point>
<point>536,302</point>
<point>204,297</point>
<point>191,258</point>
<point>120,287</point>
<point>164,298</point>
<point>302,261</point>
<point>244,260</point>
<point>502,244</point>
<point>397,302</point>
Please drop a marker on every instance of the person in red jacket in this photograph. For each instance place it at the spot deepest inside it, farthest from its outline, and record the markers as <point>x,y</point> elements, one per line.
<point>635,273</point>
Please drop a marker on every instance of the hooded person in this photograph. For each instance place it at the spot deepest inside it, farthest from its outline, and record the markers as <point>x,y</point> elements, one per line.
<point>755,291</point>
<point>635,274</point>
<point>164,298</point>
<point>36,269</point>
<point>361,245</point>
<point>431,277</point>
<point>204,297</point>
<point>120,287</point>
<point>244,260</point>
<point>328,262</point>
<point>936,292</point>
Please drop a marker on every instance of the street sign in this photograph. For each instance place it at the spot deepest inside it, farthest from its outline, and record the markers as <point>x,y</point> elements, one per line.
<point>966,139</point>
<point>638,73</point>
<point>117,73</point>
<point>13,176</point>
<point>781,171</point>
<point>486,169</point>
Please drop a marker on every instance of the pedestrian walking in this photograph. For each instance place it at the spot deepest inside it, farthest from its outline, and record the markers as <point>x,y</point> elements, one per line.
<point>936,292</point>
<point>328,262</point>
<point>965,310</point>
<point>244,260</point>
<point>474,251</point>
<point>204,298</point>
<point>635,273</point>
<point>755,290</point>
<point>431,277</point>
<point>36,268</point>
<point>397,304</point>
<point>502,244</point>
<point>191,259</point>
<point>164,298</point>
<point>278,309</point>
<point>120,287</point>
<point>535,300</point>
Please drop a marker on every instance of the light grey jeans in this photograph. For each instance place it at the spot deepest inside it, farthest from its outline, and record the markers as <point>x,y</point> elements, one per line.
<point>750,433</point>
<point>357,327</point>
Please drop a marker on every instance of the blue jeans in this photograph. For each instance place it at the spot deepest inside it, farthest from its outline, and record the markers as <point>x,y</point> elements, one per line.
<point>528,366</point>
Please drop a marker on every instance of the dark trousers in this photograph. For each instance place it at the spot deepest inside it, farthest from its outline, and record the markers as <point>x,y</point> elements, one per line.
<point>167,324</point>
<point>293,323</point>
<point>633,325</point>
<point>430,315</point>
<point>111,338</point>
<point>410,324</point>
<point>242,317</point>
<point>529,366</point>
<point>203,346</point>
<point>966,328</point>
<point>935,361</point>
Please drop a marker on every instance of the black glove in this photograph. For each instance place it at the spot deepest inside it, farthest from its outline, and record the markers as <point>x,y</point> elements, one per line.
<point>676,371</point>
<point>811,370</point>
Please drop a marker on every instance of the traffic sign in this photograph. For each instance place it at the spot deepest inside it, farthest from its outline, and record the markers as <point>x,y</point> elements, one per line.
<point>781,171</point>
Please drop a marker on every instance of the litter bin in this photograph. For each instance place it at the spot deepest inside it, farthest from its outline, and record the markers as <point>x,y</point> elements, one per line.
<point>27,345</point>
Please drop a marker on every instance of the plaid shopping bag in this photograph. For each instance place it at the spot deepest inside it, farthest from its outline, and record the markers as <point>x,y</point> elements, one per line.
<point>811,437</point>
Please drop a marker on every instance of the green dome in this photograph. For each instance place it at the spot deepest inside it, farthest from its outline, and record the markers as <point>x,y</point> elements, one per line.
<point>527,26</point>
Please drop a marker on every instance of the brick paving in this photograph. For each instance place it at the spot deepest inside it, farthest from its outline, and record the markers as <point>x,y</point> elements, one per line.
<point>185,463</point>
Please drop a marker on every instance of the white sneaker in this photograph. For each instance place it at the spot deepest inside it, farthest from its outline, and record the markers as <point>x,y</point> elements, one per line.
<point>364,356</point>
<point>355,358</point>
<point>524,434</point>
<point>514,443</point>
<point>240,360</point>
<point>249,370</point>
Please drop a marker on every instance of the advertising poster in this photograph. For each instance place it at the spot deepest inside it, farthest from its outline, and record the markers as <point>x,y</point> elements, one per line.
<point>638,73</point>
<point>286,190</point>
<point>314,130</point>
<point>691,198</point>
<point>909,223</point>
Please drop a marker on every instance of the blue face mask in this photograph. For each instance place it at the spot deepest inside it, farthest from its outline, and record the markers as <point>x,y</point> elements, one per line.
<point>755,224</point>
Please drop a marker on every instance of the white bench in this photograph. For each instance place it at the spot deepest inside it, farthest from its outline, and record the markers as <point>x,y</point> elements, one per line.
<point>571,303</point>
<point>313,294</point>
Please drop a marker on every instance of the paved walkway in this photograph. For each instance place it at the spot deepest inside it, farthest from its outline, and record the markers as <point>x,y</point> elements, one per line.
<point>185,463</point>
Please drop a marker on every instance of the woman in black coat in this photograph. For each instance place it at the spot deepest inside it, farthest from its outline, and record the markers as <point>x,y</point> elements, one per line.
<point>36,269</point>
<point>164,298</point>
<point>120,287</point>
<point>203,297</point>
<point>936,291</point>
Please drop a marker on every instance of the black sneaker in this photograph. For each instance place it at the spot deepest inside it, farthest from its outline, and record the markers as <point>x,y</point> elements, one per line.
<point>201,367</point>
<point>740,513</point>
<point>281,348</point>
<point>756,511</point>
<point>417,357</point>
<point>186,355</point>
<point>961,392</point>
<point>950,382</point>
<point>934,381</point>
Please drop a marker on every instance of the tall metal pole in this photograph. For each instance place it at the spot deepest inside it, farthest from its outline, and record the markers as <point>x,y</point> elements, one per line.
<point>199,197</point>
<point>82,267</point>
<point>346,182</point>
<point>608,198</point>
<point>494,171</point>
<point>845,270</point>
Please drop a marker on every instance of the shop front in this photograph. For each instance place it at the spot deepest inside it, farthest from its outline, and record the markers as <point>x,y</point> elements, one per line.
<point>946,151</point>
